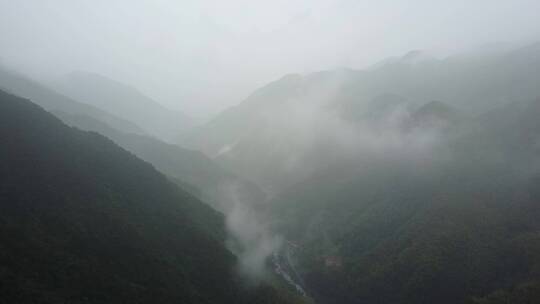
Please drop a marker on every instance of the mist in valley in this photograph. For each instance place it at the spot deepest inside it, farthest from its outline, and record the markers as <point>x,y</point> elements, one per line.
<point>301,151</point>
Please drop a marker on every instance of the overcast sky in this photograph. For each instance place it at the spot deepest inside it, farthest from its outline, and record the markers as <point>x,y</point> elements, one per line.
<point>201,56</point>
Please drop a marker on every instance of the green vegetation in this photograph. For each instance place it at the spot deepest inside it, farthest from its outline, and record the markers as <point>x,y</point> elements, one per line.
<point>460,227</point>
<point>190,169</point>
<point>290,129</point>
<point>84,221</point>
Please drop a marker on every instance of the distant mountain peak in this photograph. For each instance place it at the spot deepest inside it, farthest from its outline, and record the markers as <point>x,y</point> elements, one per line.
<point>291,77</point>
<point>81,77</point>
<point>410,58</point>
<point>416,56</point>
<point>127,102</point>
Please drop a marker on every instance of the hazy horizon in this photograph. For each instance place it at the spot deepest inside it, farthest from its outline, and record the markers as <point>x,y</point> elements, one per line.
<point>270,152</point>
<point>204,56</point>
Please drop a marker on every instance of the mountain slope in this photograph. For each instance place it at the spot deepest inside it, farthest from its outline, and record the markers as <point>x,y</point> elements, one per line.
<point>126,102</point>
<point>83,220</point>
<point>190,168</point>
<point>458,227</point>
<point>51,100</point>
<point>275,137</point>
<point>264,139</point>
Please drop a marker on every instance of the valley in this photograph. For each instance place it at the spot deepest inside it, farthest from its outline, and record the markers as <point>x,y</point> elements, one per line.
<point>303,152</point>
<point>284,266</point>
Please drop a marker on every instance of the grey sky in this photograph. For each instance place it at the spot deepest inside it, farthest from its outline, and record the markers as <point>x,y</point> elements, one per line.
<point>201,56</point>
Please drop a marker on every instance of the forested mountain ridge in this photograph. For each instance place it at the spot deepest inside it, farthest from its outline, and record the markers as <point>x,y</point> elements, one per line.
<point>191,169</point>
<point>460,226</point>
<point>85,221</point>
<point>270,152</point>
<point>287,130</point>
<point>23,86</point>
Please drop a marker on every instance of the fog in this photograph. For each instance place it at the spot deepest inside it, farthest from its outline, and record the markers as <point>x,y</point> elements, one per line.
<point>203,56</point>
<point>250,236</point>
<point>317,129</point>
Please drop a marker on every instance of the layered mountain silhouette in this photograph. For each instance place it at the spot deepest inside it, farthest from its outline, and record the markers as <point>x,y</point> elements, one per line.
<point>49,99</point>
<point>412,182</point>
<point>126,102</point>
<point>458,227</point>
<point>271,137</point>
<point>191,169</point>
<point>84,221</point>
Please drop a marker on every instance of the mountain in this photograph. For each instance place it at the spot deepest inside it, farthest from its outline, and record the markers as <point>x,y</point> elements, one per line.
<point>83,220</point>
<point>51,100</point>
<point>457,227</point>
<point>196,171</point>
<point>191,169</point>
<point>126,102</point>
<point>411,58</point>
<point>265,137</point>
<point>297,125</point>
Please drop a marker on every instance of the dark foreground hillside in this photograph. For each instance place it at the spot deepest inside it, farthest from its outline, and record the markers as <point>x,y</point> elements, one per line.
<point>84,221</point>
<point>192,170</point>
